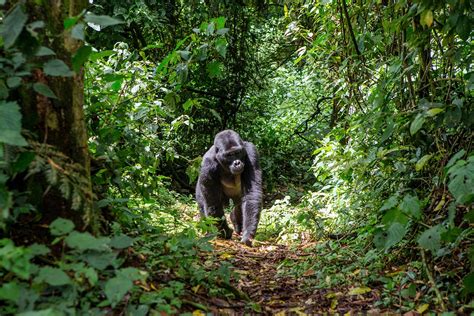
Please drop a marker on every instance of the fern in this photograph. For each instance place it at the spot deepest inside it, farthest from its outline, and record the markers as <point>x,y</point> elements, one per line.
<point>68,177</point>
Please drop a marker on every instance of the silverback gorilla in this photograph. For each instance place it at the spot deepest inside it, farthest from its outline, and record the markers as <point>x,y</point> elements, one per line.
<point>230,170</point>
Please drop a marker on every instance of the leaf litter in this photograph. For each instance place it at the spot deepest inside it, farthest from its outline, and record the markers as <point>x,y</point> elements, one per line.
<point>261,288</point>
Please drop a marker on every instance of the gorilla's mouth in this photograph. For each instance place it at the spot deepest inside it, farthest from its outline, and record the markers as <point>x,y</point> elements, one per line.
<point>237,170</point>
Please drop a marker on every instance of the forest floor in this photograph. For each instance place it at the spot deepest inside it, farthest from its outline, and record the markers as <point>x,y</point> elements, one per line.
<point>265,290</point>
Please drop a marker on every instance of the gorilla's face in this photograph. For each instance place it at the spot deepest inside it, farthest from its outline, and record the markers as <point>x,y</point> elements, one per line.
<point>230,152</point>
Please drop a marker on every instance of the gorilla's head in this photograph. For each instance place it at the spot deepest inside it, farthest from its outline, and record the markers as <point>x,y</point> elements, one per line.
<point>230,151</point>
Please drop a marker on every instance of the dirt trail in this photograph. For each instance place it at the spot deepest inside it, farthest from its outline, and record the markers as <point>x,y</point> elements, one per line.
<point>276,294</point>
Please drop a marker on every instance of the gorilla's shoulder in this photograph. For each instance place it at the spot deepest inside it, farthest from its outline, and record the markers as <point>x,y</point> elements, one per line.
<point>210,154</point>
<point>251,149</point>
<point>209,164</point>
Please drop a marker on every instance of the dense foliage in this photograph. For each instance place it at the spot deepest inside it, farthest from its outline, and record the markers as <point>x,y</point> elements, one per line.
<point>362,112</point>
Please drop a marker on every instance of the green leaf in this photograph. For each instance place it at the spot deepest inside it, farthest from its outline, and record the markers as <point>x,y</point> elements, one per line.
<point>388,131</point>
<point>417,123</point>
<point>221,46</point>
<point>214,69</point>
<point>57,67</point>
<point>390,203</point>
<point>39,250</point>
<point>455,158</point>
<point>215,114</point>
<point>10,121</point>
<point>44,51</point>
<point>4,91</point>
<point>133,274</point>
<point>99,260</point>
<point>395,234</point>
<point>140,310</point>
<point>182,72</point>
<point>99,55</point>
<point>121,241</point>
<point>116,85</point>
<point>61,226</point>
<point>210,28</point>
<point>434,111</point>
<point>70,22</point>
<point>116,288</point>
<point>185,54</point>
<point>10,292</point>
<point>394,216</point>
<point>53,276</point>
<point>85,241</point>
<point>469,217</point>
<point>43,89</point>
<point>77,32</point>
<point>420,164</point>
<point>13,24</point>
<point>43,312</point>
<point>23,161</point>
<point>80,57</point>
<point>13,82</point>
<point>411,206</point>
<point>220,22</point>
<point>222,31</point>
<point>102,20</point>
<point>463,28</point>
<point>430,239</point>
<point>468,283</point>
<point>91,275</point>
<point>461,183</point>
<point>426,18</point>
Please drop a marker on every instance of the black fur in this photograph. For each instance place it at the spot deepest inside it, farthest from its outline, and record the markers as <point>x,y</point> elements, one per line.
<point>227,161</point>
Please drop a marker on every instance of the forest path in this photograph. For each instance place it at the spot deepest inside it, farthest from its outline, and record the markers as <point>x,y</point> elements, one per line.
<point>277,294</point>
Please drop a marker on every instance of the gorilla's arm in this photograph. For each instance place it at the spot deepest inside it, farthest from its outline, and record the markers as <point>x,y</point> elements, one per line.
<point>252,195</point>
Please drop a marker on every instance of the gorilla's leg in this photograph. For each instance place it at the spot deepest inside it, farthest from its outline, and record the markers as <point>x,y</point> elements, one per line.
<point>251,216</point>
<point>200,202</point>
<point>218,212</point>
<point>211,203</point>
<point>236,217</point>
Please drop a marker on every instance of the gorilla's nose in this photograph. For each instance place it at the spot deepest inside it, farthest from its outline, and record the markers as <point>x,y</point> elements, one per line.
<point>237,163</point>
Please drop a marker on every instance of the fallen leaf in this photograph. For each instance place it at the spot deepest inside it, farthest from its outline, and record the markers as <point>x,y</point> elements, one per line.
<point>198,312</point>
<point>422,308</point>
<point>225,256</point>
<point>298,311</point>
<point>360,290</point>
<point>334,303</point>
<point>276,302</point>
<point>309,272</point>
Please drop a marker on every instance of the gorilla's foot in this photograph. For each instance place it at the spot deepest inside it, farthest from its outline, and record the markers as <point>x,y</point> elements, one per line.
<point>226,233</point>
<point>247,241</point>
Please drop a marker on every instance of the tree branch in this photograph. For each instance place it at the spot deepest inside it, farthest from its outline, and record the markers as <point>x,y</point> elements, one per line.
<point>351,31</point>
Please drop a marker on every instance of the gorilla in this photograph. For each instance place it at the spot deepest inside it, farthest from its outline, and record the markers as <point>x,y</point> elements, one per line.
<point>230,170</point>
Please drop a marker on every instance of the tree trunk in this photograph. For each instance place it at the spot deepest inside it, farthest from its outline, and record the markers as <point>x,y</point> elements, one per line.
<point>58,125</point>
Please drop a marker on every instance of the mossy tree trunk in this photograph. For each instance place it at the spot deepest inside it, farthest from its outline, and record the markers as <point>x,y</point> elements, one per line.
<point>57,125</point>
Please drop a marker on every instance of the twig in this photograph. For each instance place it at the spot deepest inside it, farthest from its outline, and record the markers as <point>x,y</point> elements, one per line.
<point>431,279</point>
<point>349,26</point>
